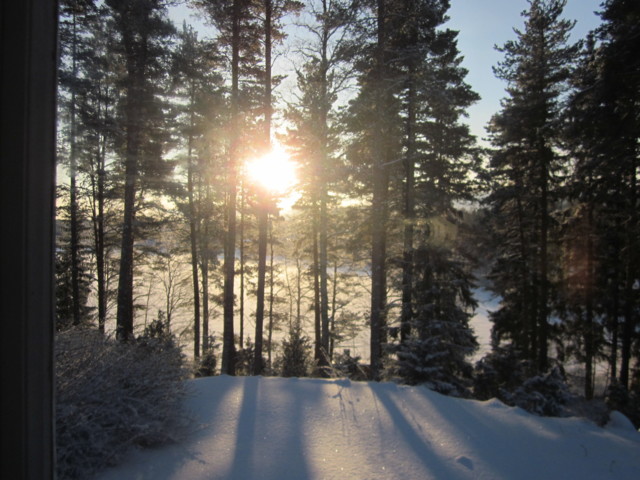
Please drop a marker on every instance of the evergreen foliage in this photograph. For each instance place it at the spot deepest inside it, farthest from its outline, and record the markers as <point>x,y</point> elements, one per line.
<point>602,132</point>
<point>64,290</point>
<point>504,374</point>
<point>525,170</point>
<point>207,364</point>
<point>376,125</point>
<point>296,359</point>
<point>436,351</point>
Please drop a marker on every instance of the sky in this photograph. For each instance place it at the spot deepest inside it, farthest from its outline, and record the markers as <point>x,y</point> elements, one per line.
<point>482,24</point>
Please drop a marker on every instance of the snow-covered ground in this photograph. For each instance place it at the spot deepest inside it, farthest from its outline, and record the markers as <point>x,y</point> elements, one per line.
<point>254,428</point>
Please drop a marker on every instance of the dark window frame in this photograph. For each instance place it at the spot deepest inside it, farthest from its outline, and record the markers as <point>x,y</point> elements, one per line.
<point>28,71</point>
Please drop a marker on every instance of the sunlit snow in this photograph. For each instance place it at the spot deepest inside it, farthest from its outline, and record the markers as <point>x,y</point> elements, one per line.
<point>252,428</point>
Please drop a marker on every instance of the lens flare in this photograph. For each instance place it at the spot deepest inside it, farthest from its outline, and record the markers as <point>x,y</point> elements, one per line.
<point>274,172</point>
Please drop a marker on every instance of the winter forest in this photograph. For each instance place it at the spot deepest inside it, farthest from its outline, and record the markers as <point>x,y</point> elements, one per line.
<point>298,193</point>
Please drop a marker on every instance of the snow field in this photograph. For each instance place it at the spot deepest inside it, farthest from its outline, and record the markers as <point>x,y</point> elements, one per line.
<point>255,428</point>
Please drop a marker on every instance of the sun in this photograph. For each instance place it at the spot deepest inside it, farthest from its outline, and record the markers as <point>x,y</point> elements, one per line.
<point>274,172</point>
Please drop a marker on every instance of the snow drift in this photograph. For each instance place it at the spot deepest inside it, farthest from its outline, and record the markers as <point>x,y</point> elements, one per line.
<point>274,428</point>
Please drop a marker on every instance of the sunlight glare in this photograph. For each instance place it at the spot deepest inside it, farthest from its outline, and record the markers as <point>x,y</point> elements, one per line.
<point>274,172</point>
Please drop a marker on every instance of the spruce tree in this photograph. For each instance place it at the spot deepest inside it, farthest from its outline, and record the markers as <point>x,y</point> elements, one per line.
<point>525,169</point>
<point>602,134</point>
<point>438,154</point>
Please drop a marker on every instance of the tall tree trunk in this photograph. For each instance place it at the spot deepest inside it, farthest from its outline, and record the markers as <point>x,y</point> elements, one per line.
<point>228,345</point>
<point>242,263</point>
<point>98,198</point>
<point>614,293</point>
<point>334,306</point>
<point>528,341</point>
<point>379,208</point>
<point>193,236</point>
<point>100,248</point>
<point>204,268</point>
<point>322,187</point>
<point>124,320</point>
<point>73,190</point>
<point>263,213</point>
<point>628,327</point>
<point>589,338</point>
<point>299,293</point>
<point>614,328</point>
<point>271,299</point>
<point>263,220</point>
<point>409,211</point>
<point>543,280</point>
<point>317,322</point>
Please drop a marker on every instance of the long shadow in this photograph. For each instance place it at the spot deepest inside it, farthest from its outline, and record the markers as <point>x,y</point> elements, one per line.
<point>271,440</point>
<point>423,452</point>
<point>290,458</point>
<point>242,467</point>
<point>484,435</point>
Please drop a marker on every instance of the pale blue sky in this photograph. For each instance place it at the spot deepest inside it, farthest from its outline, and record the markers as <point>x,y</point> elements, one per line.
<point>485,23</point>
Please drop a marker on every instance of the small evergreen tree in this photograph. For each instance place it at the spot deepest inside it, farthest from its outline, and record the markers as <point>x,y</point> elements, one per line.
<point>435,352</point>
<point>296,354</point>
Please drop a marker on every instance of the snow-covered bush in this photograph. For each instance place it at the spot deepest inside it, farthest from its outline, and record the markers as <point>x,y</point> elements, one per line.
<point>498,373</point>
<point>627,402</point>
<point>504,375</point>
<point>544,395</point>
<point>344,365</point>
<point>111,396</point>
<point>207,364</point>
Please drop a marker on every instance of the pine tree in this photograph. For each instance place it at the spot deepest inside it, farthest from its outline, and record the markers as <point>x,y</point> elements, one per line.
<point>239,34</point>
<point>143,31</point>
<point>198,82</point>
<point>373,123</point>
<point>272,12</point>
<point>74,21</point>
<point>314,139</point>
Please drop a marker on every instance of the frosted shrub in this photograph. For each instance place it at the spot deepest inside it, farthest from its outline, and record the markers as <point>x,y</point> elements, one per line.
<point>344,365</point>
<point>545,395</point>
<point>498,373</point>
<point>207,365</point>
<point>503,374</point>
<point>625,401</point>
<point>111,396</point>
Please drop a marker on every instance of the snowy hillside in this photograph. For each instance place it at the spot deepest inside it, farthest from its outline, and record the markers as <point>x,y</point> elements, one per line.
<point>252,428</point>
